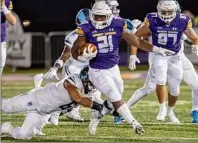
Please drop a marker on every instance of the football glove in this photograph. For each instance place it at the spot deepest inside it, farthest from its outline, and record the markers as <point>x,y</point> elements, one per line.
<point>132,62</point>
<point>51,74</point>
<point>195,49</point>
<point>162,51</point>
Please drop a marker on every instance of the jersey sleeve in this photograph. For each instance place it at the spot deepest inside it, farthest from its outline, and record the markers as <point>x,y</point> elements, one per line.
<point>76,81</point>
<point>189,24</point>
<point>70,39</point>
<point>146,21</point>
<point>80,31</point>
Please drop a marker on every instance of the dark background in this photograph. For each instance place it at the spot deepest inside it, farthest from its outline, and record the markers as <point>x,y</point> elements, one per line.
<point>59,15</point>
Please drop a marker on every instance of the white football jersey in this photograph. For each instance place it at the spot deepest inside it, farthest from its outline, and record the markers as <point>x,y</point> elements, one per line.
<point>54,97</point>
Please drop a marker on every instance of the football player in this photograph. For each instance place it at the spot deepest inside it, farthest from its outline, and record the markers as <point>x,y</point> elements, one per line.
<point>71,66</point>
<point>41,102</point>
<point>105,31</point>
<point>168,16</point>
<point>6,15</point>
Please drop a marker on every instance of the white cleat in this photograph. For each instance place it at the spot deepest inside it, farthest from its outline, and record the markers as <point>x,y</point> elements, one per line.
<point>94,121</point>
<point>162,114</point>
<point>54,119</point>
<point>138,128</point>
<point>173,119</point>
<point>6,127</point>
<point>74,115</point>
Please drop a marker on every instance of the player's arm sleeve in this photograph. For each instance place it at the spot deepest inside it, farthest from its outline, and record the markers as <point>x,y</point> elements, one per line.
<point>80,32</point>
<point>146,21</point>
<point>189,24</point>
<point>70,39</point>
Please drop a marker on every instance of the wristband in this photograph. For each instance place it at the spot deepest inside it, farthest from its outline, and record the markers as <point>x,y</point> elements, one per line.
<point>59,62</point>
<point>97,106</point>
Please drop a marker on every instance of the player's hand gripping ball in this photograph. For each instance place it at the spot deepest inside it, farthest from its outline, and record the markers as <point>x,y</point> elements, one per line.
<point>88,51</point>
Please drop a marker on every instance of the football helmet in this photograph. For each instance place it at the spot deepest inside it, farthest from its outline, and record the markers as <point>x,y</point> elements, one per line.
<point>83,16</point>
<point>167,10</point>
<point>113,4</point>
<point>88,86</point>
<point>101,15</point>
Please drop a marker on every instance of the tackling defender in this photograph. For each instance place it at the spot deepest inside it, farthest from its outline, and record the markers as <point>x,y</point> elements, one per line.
<point>105,31</point>
<point>189,74</point>
<point>39,103</point>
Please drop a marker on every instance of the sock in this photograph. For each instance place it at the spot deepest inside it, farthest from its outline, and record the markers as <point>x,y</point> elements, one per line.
<point>138,94</point>
<point>169,110</point>
<point>124,111</point>
<point>195,99</point>
<point>162,105</point>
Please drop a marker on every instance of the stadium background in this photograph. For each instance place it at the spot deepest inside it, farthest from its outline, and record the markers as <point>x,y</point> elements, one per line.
<point>44,37</point>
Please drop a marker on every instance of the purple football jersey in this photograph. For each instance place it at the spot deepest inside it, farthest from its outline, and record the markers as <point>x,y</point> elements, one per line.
<point>8,4</point>
<point>107,41</point>
<point>168,36</point>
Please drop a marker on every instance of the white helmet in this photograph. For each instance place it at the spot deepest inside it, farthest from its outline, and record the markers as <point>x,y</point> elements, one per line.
<point>113,4</point>
<point>101,9</point>
<point>167,10</point>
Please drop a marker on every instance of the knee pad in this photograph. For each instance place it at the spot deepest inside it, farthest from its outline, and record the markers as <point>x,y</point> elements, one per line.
<point>149,88</point>
<point>174,91</point>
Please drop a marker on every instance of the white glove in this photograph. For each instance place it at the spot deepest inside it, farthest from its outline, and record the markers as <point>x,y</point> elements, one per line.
<point>89,55</point>
<point>195,49</point>
<point>132,62</point>
<point>162,51</point>
<point>51,74</point>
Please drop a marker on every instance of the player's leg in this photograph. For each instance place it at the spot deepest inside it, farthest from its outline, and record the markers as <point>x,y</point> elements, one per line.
<point>191,78</point>
<point>21,103</point>
<point>159,70</point>
<point>2,57</point>
<point>104,81</point>
<point>31,126</point>
<point>149,86</point>
<point>175,73</point>
<point>54,118</point>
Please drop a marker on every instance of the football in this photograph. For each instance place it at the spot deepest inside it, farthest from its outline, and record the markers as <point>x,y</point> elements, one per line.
<point>86,46</point>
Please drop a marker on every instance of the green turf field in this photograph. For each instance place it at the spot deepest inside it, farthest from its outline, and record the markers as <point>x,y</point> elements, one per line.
<point>145,112</point>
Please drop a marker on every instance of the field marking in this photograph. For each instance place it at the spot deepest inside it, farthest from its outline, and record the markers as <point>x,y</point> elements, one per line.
<point>116,137</point>
<point>7,87</point>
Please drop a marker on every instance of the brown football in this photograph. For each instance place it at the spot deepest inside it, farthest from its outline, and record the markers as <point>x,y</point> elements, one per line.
<point>85,46</point>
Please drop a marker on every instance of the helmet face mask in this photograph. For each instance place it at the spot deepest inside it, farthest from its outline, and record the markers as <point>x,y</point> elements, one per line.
<point>101,15</point>
<point>167,10</point>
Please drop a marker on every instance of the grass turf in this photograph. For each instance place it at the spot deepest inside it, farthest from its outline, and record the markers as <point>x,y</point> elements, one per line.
<point>145,112</point>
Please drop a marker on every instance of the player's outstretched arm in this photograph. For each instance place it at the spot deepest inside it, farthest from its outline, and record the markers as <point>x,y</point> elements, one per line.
<point>79,99</point>
<point>8,14</point>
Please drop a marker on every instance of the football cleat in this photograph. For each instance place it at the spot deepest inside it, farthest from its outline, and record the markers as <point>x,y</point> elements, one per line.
<point>195,116</point>
<point>118,119</point>
<point>138,128</point>
<point>74,115</point>
<point>6,127</point>
<point>162,114</point>
<point>173,119</point>
<point>94,121</point>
